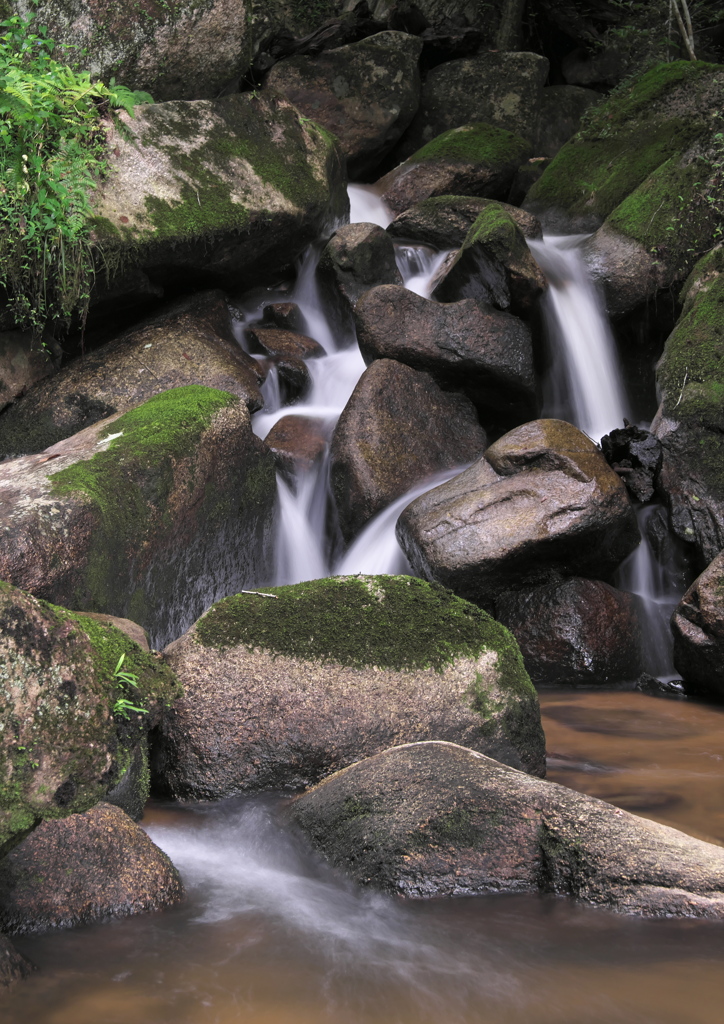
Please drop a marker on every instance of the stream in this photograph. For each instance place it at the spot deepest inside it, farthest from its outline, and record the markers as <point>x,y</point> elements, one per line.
<point>269,934</point>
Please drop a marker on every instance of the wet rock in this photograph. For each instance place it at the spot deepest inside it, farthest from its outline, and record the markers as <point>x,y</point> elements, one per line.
<point>297,443</point>
<point>85,868</point>
<point>562,107</point>
<point>475,160</point>
<point>13,966</point>
<point>365,93</point>
<point>63,746</point>
<point>577,632</point>
<point>286,315</point>
<point>111,519</point>
<point>216,192</point>
<point>494,264</point>
<point>281,691</point>
<point>433,819</point>
<point>541,504</point>
<point>22,364</point>
<point>357,257</point>
<point>444,221</point>
<point>635,454</point>
<point>464,345</point>
<point>190,343</point>
<point>502,89</point>
<point>397,428</point>
<point>275,341</point>
<point>698,628</point>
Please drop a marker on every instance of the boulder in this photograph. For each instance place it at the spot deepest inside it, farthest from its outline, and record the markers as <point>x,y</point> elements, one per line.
<point>297,443</point>
<point>501,89</point>
<point>635,454</point>
<point>434,819</point>
<point>13,966</point>
<point>494,264</point>
<point>542,503</point>
<point>397,429</point>
<point>287,315</point>
<point>190,343</point>
<point>444,221</point>
<point>474,160</point>
<point>281,691</point>
<point>277,341</point>
<point>216,193</point>
<point>466,345</point>
<point>561,111</point>
<point>64,740</point>
<point>186,50</point>
<point>22,364</point>
<point>365,93</point>
<point>150,515</point>
<point>577,632</point>
<point>698,628</point>
<point>85,868</point>
<point>356,258</point>
<point>690,421</point>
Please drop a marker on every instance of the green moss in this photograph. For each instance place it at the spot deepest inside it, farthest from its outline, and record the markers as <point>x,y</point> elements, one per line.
<point>396,622</point>
<point>475,143</point>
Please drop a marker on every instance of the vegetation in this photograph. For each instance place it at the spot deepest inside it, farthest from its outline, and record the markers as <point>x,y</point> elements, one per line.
<point>52,152</point>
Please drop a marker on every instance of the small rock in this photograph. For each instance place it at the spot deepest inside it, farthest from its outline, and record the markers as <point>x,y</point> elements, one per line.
<point>297,443</point>
<point>275,341</point>
<point>358,257</point>
<point>286,315</point>
<point>13,966</point>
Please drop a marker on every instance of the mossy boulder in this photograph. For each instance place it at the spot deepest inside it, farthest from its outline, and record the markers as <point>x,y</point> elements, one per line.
<point>690,421</point>
<point>434,819</point>
<point>444,221</point>
<point>190,343</point>
<point>282,690</point>
<point>87,867</point>
<point>65,742</point>
<point>220,192</point>
<point>151,515</point>
<point>494,264</point>
<point>473,160</point>
<point>182,49</point>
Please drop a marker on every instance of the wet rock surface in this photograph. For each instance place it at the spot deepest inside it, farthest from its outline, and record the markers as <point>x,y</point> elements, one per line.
<point>357,257</point>
<point>542,502</point>
<point>466,345</point>
<point>281,691</point>
<point>698,627</point>
<point>191,343</point>
<point>576,632</point>
<point>444,221</point>
<point>88,867</point>
<point>297,443</point>
<point>434,819</point>
<point>13,966</point>
<point>397,429</point>
<point>275,341</point>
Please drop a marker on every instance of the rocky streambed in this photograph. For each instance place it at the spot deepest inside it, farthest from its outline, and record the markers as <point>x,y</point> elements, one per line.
<point>354,484</point>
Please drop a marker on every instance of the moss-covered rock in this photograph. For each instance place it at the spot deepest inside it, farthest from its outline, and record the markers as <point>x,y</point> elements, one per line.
<point>151,515</point>
<point>226,192</point>
<point>444,221</point>
<point>473,160</point>
<point>65,741</point>
<point>281,690</point>
<point>698,628</point>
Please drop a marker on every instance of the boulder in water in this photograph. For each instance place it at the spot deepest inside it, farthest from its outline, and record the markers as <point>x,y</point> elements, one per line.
<point>277,341</point>
<point>542,503</point>
<point>13,966</point>
<point>397,429</point>
<point>297,443</point>
<point>434,819</point>
<point>466,345</point>
<point>357,257</point>
<point>444,221</point>
<point>85,868</point>
<point>281,690</point>
<point>149,515</point>
<point>698,627</point>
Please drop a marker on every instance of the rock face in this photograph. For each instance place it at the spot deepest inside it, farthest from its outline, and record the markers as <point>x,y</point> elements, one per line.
<point>13,966</point>
<point>220,192</point>
<point>85,868</point>
<point>63,747</point>
<point>187,50</point>
<point>357,257</point>
<point>541,504</point>
<point>189,344</point>
<point>114,518</point>
<point>466,345</point>
<point>475,160</point>
<point>690,421</point>
<point>698,627</point>
<point>397,428</point>
<point>282,691</point>
<point>501,89</point>
<point>434,819</point>
<point>21,365</point>
<point>444,221</point>
<point>365,93</point>
<point>494,264</point>
<point>579,632</point>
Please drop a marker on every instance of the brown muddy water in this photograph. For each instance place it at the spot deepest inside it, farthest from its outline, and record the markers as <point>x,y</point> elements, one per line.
<point>268,935</point>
